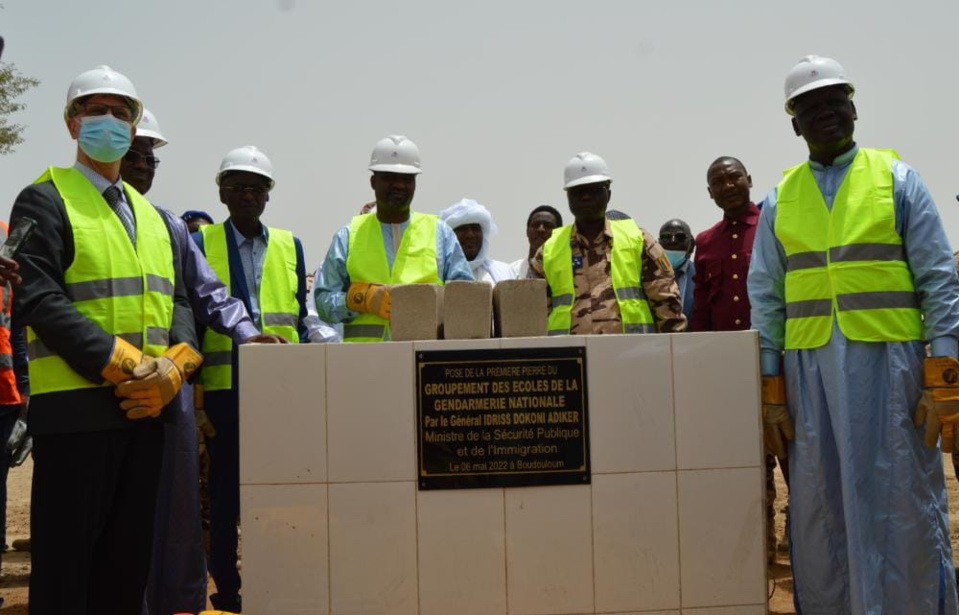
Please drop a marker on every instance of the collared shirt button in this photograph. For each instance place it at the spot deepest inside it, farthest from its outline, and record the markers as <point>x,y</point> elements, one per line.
<point>735,235</point>
<point>735,276</point>
<point>735,222</point>
<point>736,298</point>
<point>739,322</point>
<point>735,256</point>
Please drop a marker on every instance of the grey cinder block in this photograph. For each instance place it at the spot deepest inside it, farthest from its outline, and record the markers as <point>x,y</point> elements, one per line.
<point>519,308</point>
<point>467,310</point>
<point>416,313</point>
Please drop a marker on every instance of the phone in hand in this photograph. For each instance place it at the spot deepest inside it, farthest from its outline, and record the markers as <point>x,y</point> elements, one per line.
<point>18,237</point>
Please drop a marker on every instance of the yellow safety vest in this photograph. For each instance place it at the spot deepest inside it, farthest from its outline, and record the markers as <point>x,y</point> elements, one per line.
<point>279,309</point>
<point>415,263</point>
<point>848,261</point>
<point>626,271</point>
<point>125,291</point>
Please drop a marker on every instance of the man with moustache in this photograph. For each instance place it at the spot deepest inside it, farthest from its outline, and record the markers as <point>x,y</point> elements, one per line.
<point>392,245</point>
<point>852,275</point>
<point>473,225</point>
<point>605,276</point>
<point>539,226</point>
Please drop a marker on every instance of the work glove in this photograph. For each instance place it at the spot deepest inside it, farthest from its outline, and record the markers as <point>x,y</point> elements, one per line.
<point>938,407</point>
<point>20,442</point>
<point>123,360</point>
<point>156,382</point>
<point>369,298</point>
<point>777,426</point>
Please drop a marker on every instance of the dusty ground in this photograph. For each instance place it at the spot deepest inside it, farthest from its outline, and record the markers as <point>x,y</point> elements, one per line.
<point>16,565</point>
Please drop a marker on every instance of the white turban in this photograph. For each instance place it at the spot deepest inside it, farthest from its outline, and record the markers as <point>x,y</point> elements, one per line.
<point>469,211</point>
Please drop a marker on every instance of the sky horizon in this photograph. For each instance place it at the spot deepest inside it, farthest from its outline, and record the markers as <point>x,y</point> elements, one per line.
<point>498,97</point>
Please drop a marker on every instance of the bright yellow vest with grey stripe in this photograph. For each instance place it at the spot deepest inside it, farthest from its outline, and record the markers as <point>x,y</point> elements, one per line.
<point>415,263</point>
<point>848,262</point>
<point>279,309</point>
<point>125,291</point>
<point>626,271</point>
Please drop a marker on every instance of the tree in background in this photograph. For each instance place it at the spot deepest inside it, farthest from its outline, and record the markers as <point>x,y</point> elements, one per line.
<point>12,86</point>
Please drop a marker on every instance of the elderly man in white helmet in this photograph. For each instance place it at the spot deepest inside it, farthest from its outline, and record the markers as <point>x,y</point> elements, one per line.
<point>473,225</point>
<point>264,268</point>
<point>393,245</point>
<point>605,276</point>
<point>851,275</point>
<point>111,340</point>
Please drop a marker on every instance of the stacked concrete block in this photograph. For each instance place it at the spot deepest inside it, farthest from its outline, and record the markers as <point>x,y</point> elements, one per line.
<point>519,308</point>
<point>467,310</point>
<point>417,312</point>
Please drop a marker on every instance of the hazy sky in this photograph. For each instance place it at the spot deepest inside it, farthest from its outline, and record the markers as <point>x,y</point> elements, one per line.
<point>498,96</point>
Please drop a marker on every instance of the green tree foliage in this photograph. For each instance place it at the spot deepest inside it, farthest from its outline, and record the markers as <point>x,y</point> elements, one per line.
<point>12,86</point>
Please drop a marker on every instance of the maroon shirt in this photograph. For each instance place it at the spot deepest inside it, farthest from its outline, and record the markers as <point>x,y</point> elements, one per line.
<point>723,252</point>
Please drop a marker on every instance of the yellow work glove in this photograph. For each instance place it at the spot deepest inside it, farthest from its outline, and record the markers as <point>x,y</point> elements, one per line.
<point>369,298</point>
<point>939,405</point>
<point>777,426</point>
<point>123,360</point>
<point>157,382</point>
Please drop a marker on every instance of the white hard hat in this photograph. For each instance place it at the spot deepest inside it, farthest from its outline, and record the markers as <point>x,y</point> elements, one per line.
<point>812,73</point>
<point>395,154</point>
<point>103,80</point>
<point>247,158</point>
<point>585,168</point>
<point>150,128</point>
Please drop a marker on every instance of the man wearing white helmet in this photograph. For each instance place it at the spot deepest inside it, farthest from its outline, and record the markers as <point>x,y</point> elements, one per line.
<point>264,268</point>
<point>111,340</point>
<point>851,275</point>
<point>473,225</point>
<point>393,245</point>
<point>605,276</point>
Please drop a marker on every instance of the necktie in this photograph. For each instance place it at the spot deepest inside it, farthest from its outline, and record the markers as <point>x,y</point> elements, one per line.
<point>112,196</point>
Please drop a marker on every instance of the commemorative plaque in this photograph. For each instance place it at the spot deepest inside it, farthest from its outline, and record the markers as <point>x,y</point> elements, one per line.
<point>502,418</point>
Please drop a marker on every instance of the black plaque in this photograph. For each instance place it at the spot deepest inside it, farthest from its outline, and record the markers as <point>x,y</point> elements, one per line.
<point>502,418</point>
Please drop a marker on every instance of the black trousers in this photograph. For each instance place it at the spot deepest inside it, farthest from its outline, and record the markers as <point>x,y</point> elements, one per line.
<point>91,519</point>
<point>8,418</point>
<point>224,507</point>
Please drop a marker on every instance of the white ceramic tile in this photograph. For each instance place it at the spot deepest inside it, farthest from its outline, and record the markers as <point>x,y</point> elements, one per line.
<point>556,341</point>
<point>373,548</point>
<point>462,552</point>
<point>485,344</point>
<point>745,609</point>
<point>716,385</point>
<point>285,557</point>
<point>371,415</point>
<point>721,537</point>
<point>635,541</point>
<point>630,385</point>
<point>283,413</point>
<point>549,559</point>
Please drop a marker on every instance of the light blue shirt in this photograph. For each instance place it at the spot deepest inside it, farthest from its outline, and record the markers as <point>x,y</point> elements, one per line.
<point>101,184</point>
<point>927,251</point>
<point>332,281</point>
<point>684,280</point>
<point>252,255</point>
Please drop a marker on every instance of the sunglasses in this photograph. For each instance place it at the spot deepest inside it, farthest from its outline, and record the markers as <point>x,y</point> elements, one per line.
<point>136,157</point>
<point>121,112</point>
<point>240,189</point>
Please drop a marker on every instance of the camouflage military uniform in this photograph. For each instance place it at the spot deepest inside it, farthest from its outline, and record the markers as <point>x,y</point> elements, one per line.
<point>595,309</point>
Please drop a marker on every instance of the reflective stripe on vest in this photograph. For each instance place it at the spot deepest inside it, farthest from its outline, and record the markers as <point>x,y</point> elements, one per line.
<point>126,291</point>
<point>848,261</point>
<point>279,309</point>
<point>9,395</point>
<point>626,271</point>
<point>415,263</point>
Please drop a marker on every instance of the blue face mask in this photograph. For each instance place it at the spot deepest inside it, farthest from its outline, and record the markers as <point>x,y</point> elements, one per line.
<point>104,138</point>
<point>677,258</point>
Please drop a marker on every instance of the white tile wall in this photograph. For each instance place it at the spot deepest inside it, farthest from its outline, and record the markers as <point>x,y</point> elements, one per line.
<point>716,383</point>
<point>373,549</point>
<point>631,403</point>
<point>721,518</point>
<point>673,518</point>
<point>549,564</point>
<point>285,549</point>
<point>635,533</point>
<point>370,410</point>
<point>293,394</point>
<point>462,552</point>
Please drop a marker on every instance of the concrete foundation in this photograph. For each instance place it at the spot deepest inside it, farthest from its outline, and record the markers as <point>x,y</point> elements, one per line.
<point>417,312</point>
<point>467,310</point>
<point>519,308</point>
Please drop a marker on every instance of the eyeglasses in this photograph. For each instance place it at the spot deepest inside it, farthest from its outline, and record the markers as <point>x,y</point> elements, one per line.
<point>121,112</point>
<point>673,238</point>
<point>135,157</point>
<point>240,189</point>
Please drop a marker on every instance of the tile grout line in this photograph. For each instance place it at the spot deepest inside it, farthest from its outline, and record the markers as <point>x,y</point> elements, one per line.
<point>416,467</point>
<point>505,552</point>
<point>679,538</point>
<point>329,535</point>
